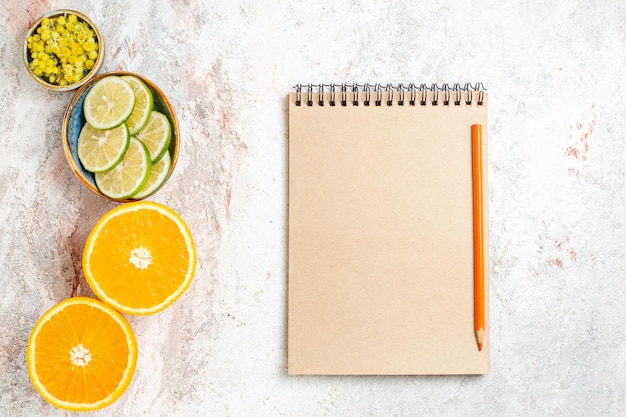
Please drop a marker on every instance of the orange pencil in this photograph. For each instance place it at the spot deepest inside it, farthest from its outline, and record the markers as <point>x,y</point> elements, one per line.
<point>479,256</point>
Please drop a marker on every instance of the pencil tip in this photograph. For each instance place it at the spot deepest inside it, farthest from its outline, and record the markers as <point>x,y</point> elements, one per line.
<point>480,334</point>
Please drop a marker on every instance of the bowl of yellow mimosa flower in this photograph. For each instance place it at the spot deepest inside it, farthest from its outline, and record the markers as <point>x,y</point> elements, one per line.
<point>63,50</point>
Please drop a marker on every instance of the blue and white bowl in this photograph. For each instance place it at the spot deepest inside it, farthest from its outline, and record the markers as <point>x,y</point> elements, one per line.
<point>74,120</point>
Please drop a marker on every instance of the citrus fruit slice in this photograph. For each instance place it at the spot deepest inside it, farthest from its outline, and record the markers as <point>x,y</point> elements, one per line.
<point>158,174</point>
<point>100,150</point>
<point>139,257</point>
<point>156,135</point>
<point>81,354</point>
<point>127,177</point>
<point>143,104</point>
<point>109,103</point>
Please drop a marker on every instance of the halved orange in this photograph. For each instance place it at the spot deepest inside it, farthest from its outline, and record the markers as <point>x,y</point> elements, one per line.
<point>81,354</point>
<point>139,257</point>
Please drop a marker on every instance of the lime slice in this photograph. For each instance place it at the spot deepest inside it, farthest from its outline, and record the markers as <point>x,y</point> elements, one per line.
<point>158,175</point>
<point>109,103</point>
<point>129,176</point>
<point>100,150</point>
<point>156,135</point>
<point>143,106</point>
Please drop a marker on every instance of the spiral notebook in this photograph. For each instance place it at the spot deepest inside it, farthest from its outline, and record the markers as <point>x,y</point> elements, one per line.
<point>380,230</point>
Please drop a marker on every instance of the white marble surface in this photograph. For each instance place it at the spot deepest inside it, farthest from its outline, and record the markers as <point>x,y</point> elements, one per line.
<point>555,74</point>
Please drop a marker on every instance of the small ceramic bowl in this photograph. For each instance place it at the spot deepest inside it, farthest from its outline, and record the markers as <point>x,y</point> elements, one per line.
<point>74,120</point>
<point>94,70</point>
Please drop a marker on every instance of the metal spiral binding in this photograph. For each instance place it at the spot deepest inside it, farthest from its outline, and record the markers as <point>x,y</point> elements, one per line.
<point>451,95</point>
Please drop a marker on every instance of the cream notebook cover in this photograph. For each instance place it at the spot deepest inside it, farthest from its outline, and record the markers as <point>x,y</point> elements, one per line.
<point>380,230</point>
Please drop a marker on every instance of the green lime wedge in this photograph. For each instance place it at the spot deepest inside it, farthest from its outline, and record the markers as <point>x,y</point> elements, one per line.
<point>129,176</point>
<point>100,150</point>
<point>109,103</point>
<point>158,174</point>
<point>156,135</point>
<point>143,105</point>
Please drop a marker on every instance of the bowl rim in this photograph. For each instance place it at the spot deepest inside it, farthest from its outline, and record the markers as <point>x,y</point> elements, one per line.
<point>97,65</point>
<point>65,134</point>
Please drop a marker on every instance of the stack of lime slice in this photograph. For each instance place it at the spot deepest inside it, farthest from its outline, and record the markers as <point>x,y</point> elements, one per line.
<point>125,141</point>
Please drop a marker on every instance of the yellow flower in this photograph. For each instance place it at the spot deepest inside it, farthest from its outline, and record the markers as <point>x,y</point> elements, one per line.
<point>89,46</point>
<point>63,49</point>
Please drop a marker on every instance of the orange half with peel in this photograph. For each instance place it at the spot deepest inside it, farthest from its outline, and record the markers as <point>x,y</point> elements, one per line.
<point>81,355</point>
<point>139,258</point>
